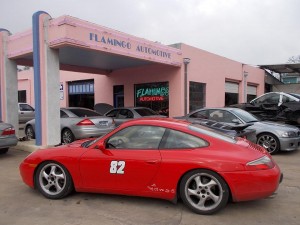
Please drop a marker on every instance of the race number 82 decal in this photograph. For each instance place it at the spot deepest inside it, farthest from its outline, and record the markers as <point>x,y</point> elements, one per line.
<point>117,167</point>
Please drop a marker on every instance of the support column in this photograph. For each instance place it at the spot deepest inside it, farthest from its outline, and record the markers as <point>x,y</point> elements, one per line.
<point>46,83</point>
<point>8,84</point>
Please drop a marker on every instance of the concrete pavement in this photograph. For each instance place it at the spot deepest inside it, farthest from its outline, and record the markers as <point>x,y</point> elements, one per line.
<point>20,205</point>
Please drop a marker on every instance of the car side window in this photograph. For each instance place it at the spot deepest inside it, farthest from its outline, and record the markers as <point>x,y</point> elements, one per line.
<point>113,113</point>
<point>63,114</point>
<point>287,99</point>
<point>136,137</point>
<point>272,98</point>
<point>199,115</point>
<point>25,107</point>
<point>125,114</point>
<point>216,115</point>
<point>180,140</point>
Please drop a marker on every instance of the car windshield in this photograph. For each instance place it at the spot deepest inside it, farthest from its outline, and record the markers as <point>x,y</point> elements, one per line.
<point>146,112</point>
<point>84,112</point>
<point>245,116</point>
<point>213,133</point>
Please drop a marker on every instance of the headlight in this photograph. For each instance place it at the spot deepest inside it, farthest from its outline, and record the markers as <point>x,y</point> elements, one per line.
<point>289,134</point>
<point>262,163</point>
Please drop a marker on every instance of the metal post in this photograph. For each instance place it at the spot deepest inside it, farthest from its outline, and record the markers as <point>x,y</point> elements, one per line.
<point>245,86</point>
<point>186,61</point>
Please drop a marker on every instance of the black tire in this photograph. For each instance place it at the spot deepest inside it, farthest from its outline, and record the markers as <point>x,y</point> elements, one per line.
<point>3,151</point>
<point>269,141</point>
<point>29,132</point>
<point>67,136</point>
<point>53,180</point>
<point>205,187</point>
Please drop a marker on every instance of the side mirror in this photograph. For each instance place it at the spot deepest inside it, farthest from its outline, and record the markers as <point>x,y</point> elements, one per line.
<point>100,146</point>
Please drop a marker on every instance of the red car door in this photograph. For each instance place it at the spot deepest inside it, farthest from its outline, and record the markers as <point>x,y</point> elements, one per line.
<point>119,169</point>
<point>130,161</point>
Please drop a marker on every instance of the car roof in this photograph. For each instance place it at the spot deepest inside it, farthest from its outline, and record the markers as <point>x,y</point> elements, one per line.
<point>131,107</point>
<point>158,121</point>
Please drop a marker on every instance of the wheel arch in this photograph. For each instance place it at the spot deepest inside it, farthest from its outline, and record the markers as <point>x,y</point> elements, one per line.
<point>51,161</point>
<point>200,168</point>
<point>268,132</point>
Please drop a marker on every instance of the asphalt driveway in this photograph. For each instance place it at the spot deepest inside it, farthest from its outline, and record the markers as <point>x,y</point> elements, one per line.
<point>21,205</point>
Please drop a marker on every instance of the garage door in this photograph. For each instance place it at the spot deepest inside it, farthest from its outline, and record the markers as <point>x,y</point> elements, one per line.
<point>231,87</point>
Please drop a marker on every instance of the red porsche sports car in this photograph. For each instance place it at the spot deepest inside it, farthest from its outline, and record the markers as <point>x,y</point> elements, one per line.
<point>159,158</point>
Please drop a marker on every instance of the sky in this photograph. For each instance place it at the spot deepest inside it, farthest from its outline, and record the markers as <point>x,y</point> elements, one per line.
<point>254,32</point>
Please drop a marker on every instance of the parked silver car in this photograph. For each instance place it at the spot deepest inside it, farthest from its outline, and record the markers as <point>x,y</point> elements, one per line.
<point>7,137</point>
<point>77,123</point>
<point>272,136</point>
<point>123,114</point>
<point>26,112</point>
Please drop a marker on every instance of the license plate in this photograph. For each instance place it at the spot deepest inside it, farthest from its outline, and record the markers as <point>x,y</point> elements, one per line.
<point>103,123</point>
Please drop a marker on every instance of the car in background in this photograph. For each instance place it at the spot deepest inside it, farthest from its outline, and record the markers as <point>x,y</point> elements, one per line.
<point>123,114</point>
<point>228,129</point>
<point>272,136</point>
<point>77,123</point>
<point>7,137</point>
<point>26,112</point>
<point>275,106</point>
<point>159,158</point>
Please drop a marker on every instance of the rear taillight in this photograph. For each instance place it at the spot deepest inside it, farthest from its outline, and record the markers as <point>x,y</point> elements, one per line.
<point>85,122</point>
<point>9,131</point>
<point>262,163</point>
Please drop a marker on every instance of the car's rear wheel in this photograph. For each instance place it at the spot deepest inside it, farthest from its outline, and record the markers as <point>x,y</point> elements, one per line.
<point>3,150</point>
<point>67,136</point>
<point>29,132</point>
<point>204,191</point>
<point>269,141</point>
<point>53,180</point>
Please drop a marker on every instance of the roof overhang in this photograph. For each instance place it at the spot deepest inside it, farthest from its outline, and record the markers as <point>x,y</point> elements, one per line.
<point>87,47</point>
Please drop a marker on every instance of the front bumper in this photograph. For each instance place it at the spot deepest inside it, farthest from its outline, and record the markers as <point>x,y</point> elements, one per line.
<point>289,144</point>
<point>27,173</point>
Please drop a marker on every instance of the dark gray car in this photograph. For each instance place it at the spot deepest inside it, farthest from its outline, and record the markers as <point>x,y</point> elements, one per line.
<point>121,115</point>
<point>271,135</point>
<point>7,137</point>
<point>77,123</point>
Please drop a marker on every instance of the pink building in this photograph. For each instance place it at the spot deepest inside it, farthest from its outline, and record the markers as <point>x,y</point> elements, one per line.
<point>93,64</point>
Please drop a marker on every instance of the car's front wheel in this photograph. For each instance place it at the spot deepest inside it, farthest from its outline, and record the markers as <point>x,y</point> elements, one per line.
<point>269,141</point>
<point>204,191</point>
<point>53,180</point>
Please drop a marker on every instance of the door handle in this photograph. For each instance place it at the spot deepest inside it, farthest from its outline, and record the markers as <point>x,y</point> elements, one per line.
<point>152,161</point>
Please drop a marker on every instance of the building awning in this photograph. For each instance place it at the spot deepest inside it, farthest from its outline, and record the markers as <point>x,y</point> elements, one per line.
<point>282,68</point>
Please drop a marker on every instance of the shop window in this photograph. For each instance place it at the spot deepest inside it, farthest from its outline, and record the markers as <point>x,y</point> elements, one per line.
<point>231,93</point>
<point>231,98</point>
<point>154,96</point>
<point>118,96</point>
<point>22,96</point>
<point>197,95</point>
<point>250,97</point>
<point>81,94</point>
